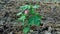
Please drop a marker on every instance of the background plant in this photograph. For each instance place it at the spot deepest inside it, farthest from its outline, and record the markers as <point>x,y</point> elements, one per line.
<point>29,17</point>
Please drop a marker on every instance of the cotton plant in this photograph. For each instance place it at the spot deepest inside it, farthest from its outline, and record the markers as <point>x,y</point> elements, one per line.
<point>28,13</point>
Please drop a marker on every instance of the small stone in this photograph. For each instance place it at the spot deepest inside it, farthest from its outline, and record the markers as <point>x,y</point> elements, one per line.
<point>34,32</point>
<point>29,33</point>
<point>31,30</point>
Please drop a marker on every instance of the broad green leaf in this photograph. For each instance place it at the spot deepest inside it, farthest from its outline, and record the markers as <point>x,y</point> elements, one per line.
<point>26,29</point>
<point>37,21</point>
<point>31,21</point>
<point>34,20</point>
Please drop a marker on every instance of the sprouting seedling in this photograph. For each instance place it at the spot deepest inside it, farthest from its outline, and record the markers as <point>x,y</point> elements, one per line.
<point>28,13</point>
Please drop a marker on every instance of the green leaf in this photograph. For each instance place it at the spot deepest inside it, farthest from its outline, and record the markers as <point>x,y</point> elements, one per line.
<point>37,21</point>
<point>36,6</point>
<point>34,20</point>
<point>27,6</point>
<point>24,7</point>
<point>26,29</point>
<point>32,11</point>
<point>19,13</point>
<point>22,18</point>
<point>31,21</point>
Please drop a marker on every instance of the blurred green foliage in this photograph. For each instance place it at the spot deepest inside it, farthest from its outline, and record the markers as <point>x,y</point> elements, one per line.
<point>32,17</point>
